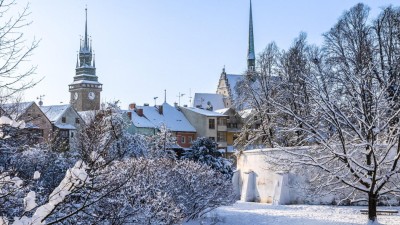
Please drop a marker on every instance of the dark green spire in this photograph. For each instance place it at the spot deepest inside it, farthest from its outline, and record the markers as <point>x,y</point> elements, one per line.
<point>86,36</point>
<point>251,58</point>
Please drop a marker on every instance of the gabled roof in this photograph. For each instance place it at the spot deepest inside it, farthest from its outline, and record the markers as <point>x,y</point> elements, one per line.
<point>54,112</point>
<point>222,111</point>
<point>141,121</point>
<point>15,110</point>
<point>170,117</point>
<point>203,100</point>
<point>205,112</point>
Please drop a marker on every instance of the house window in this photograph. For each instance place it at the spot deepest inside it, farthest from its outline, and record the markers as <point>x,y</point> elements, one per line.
<point>72,134</point>
<point>63,119</point>
<point>77,120</point>
<point>221,121</point>
<point>190,139</point>
<point>183,140</point>
<point>221,136</point>
<point>212,138</point>
<point>211,123</point>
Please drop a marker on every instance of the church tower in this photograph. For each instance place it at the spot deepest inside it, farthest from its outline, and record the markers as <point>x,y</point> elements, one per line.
<point>85,90</point>
<point>251,57</point>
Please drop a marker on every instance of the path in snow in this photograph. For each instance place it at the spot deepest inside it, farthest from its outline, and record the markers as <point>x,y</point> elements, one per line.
<point>258,213</point>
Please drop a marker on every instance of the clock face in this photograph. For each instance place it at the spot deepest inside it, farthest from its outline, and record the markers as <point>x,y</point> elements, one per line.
<point>91,95</point>
<point>76,95</point>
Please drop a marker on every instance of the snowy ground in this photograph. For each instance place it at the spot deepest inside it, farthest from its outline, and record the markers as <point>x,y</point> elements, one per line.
<point>258,213</point>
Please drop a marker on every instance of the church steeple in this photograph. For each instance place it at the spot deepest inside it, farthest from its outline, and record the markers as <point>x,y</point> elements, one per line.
<point>251,58</point>
<point>86,36</point>
<point>85,90</point>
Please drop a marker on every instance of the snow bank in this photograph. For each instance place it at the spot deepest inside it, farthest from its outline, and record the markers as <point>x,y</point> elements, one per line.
<point>261,213</point>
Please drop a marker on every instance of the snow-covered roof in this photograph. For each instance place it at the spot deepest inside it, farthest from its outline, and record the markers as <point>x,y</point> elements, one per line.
<point>202,100</point>
<point>245,113</point>
<point>85,82</point>
<point>222,111</point>
<point>141,121</point>
<point>171,117</point>
<point>87,115</point>
<point>15,110</point>
<point>54,112</point>
<point>65,126</point>
<point>205,112</point>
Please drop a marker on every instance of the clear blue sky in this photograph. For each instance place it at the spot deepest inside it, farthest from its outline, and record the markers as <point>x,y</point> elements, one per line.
<point>143,47</point>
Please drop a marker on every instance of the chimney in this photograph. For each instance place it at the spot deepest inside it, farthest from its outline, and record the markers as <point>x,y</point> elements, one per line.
<point>146,104</point>
<point>175,105</point>
<point>132,106</point>
<point>130,115</point>
<point>139,112</point>
<point>160,109</point>
<point>185,106</point>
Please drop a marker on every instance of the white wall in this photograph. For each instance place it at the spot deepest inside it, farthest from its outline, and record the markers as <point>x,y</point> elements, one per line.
<point>254,182</point>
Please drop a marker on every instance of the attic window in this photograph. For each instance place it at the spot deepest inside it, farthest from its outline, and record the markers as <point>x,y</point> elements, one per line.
<point>77,120</point>
<point>63,119</point>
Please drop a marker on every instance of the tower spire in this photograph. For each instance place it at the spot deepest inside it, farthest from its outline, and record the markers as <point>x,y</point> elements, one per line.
<point>86,35</point>
<point>251,54</point>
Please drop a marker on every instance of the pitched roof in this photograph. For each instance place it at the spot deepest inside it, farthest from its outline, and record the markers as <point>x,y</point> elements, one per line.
<point>141,121</point>
<point>54,112</point>
<point>171,117</point>
<point>205,112</point>
<point>222,111</point>
<point>202,100</point>
<point>15,110</point>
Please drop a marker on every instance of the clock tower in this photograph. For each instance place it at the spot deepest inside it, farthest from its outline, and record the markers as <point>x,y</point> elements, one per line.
<point>85,90</point>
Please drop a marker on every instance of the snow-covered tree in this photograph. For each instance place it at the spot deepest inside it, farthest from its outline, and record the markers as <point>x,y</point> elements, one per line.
<point>161,144</point>
<point>348,113</point>
<point>205,151</point>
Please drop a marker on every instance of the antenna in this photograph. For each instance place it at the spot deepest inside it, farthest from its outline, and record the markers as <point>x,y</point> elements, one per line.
<point>40,98</point>
<point>179,98</point>
<point>155,101</point>
<point>190,96</point>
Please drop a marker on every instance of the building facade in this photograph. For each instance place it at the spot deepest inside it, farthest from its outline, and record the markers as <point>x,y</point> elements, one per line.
<point>85,90</point>
<point>148,119</point>
<point>208,124</point>
<point>65,123</point>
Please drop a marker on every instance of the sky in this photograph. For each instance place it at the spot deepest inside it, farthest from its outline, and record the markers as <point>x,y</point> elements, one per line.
<point>145,47</point>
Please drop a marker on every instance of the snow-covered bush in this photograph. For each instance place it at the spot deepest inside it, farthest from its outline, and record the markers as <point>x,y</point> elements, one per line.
<point>204,151</point>
<point>146,191</point>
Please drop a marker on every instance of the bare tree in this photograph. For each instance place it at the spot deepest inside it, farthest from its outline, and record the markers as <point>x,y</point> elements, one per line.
<point>352,125</point>
<point>14,51</point>
<point>256,94</point>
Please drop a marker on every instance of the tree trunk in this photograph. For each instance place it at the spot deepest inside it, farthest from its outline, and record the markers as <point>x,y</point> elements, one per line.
<point>372,201</point>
